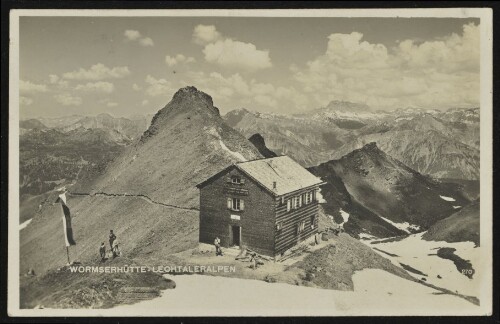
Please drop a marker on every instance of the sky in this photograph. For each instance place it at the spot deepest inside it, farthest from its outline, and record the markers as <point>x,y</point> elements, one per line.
<point>129,66</point>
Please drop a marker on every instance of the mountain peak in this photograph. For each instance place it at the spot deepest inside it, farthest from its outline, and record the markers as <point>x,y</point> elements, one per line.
<point>258,141</point>
<point>190,93</point>
<point>347,106</point>
<point>370,150</point>
<point>188,101</point>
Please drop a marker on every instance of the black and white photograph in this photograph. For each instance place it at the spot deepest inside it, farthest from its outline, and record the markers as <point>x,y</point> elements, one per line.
<point>250,162</point>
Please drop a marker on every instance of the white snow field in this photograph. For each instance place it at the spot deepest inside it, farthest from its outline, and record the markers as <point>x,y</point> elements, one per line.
<point>24,224</point>
<point>405,226</point>
<point>238,155</point>
<point>345,216</point>
<point>420,255</point>
<point>376,292</point>
<point>447,198</point>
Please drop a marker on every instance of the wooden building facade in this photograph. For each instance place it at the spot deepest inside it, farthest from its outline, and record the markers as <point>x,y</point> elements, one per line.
<point>268,205</point>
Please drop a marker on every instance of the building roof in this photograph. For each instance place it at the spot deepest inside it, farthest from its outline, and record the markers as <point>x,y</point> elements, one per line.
<point>288,174</point>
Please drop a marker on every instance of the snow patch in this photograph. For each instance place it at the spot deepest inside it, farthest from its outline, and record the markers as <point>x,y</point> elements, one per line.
<point>238,155</point>
<point>213,131</point>
<point>405,226</point>
<point>447,198</point>
<point>24,224</point>
<point>376,292</point>
<point>345,216</point>
<point>320,198</point>
<point>421,255</point>
<point>366,236</point>
<point>457,207</point>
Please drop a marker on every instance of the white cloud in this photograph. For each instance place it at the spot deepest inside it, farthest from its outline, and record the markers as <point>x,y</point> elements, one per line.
<point>112,104</point>
<point>234,88</point>
<point>434,73</point>
<point>145,102</point>
<point>204,34</point>
<point>132,34</point>
<point>230,53</point>
<point>25,101</point>
<point>53,78</point>
<point>146,42</point>
<point>30,87</point>
<point>158,87</point>
<point>98,72</point>
<point>99,86</point>
<point>67,99</point>
<point>235,54</point>
<point>135,36</point>
<point>136,87</point>
<point>178,59</point>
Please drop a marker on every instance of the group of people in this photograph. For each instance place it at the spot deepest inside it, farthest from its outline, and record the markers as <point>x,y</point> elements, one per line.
<point>113,244</point>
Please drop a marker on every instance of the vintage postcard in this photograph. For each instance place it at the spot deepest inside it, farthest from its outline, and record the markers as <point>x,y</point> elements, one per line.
<point>250,162</point>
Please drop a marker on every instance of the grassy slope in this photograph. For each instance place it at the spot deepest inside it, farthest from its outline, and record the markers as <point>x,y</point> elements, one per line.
<point>141,228</point>
<point>459,227</point>
<point>332,267</point>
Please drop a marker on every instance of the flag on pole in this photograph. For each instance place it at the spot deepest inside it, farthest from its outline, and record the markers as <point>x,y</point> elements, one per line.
<point>66,216</point>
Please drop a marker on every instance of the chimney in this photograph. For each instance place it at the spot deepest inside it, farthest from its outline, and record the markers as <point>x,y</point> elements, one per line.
<point>274,185</point>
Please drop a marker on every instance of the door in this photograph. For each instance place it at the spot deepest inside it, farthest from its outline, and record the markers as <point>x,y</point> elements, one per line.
<point>236,235</point>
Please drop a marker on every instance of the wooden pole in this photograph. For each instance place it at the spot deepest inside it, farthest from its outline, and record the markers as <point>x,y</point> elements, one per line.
<point>67,252</point>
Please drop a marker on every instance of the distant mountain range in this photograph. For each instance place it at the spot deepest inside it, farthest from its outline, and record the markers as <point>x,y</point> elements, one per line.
<point>443,144</point>
<point>57,151</point>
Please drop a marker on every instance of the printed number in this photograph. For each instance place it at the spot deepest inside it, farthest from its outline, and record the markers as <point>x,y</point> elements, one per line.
<point>467,271</point>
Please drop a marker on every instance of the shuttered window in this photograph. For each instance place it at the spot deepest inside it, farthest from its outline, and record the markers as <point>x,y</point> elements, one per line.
<point>235,180</point>
<point>288,205</point>
<point>300,227</point>
<point>235,204</point>
<point>308,197</point>
<point>279,226</point>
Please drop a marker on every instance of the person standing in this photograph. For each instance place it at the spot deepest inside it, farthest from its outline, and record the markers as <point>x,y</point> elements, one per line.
<point>116,250</point>
<point>218,250</point>
<point>112,238</point>
<point>102,251</point>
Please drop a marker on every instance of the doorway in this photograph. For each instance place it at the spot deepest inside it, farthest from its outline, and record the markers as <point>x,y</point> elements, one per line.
<point>236,235</point>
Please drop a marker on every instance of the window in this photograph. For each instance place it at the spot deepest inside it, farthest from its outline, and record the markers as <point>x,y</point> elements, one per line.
<point>288,205</point>
<point>313,221</point>
<point>236,180</point>
<point>308,197</point>
<point>297,203</point>
<point>235,204</point>
<point>279,226</point>
<point>300,227</point>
